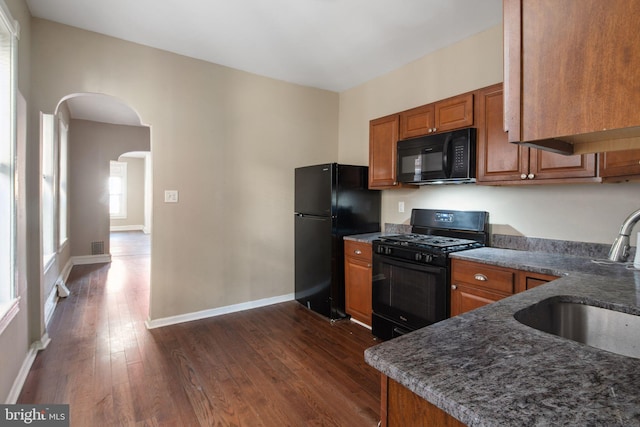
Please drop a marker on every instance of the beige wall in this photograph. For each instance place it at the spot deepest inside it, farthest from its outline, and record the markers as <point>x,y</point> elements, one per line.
<point>135,194</point>
<point>228,141</point>
<point>92,146</point>
<point>586,212</point>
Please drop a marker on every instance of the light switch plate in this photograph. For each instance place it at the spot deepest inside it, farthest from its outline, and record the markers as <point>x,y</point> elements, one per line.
<point>401,207</point>
<point>171,196</point>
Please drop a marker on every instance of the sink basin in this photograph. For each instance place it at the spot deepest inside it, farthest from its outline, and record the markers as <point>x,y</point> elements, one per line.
<point>597,327</point>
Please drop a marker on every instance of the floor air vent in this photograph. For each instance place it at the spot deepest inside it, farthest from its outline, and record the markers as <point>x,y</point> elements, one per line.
<point>97,248</point>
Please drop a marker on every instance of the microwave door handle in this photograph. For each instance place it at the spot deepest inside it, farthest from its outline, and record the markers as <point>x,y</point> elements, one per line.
<point>446,158</point>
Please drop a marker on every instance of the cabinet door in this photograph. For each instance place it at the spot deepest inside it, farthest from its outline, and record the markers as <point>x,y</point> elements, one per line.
<point>466,298</point>
<point>528,280</point>
<point>358,289</point>
<point>562,77</point>
<point>498,159</point>
<point>401,407</point>
<point>620,163</point>
<point>547,165</point>
<point>488,277</point>
<point>417,121</point>
<point>383,140</point>
<point>454,113</point>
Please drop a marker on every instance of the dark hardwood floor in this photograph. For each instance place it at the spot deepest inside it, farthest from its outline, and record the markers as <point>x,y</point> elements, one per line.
<point>280,365</point>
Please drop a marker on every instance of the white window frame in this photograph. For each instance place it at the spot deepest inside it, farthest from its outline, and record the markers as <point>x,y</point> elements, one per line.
<point>8,292</point>
<point>119,169</point>
<point>48,190</point>
<point>63,185</point>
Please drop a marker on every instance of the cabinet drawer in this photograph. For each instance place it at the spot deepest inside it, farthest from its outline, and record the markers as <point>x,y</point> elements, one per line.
<point>359,250</point>
<point>483,276</point>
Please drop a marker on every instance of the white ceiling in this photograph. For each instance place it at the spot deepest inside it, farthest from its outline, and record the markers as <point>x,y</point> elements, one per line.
<point>328,44</point>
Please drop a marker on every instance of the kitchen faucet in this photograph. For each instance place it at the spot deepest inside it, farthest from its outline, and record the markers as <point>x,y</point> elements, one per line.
<point>619,251</point>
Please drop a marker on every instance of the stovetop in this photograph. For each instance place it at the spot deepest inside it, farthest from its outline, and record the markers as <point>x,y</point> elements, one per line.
<point>422,248</point>
<point>424,240</point>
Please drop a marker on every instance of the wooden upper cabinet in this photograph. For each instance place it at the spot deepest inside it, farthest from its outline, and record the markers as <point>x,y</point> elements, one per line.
<point>498,159</point>
<point>502,162</point>
<point>571,68</point>
<point>620,165</point>
<point>383,140</point>
<point>454,113</point>
<point>448,114</point>
<point>417,121</point>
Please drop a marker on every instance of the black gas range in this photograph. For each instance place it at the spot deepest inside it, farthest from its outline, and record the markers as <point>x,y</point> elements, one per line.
<point>411,274</point>
<point>427,249</point>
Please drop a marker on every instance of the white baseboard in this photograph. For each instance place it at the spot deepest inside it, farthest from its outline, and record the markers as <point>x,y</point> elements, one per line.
<point>360,323</point>
<point>18,383</point>
<point>90,259</point>
<point>52,299</point>
<point>166,321</point>
<point>126,228</point>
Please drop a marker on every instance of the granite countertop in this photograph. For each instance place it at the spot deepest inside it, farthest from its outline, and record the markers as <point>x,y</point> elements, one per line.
<point>389,229</point>
<point>487,369</point>
<point>364,238</point>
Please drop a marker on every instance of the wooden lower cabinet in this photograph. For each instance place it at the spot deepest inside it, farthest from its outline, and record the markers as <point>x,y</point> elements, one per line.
<point>474,284</point>
<point>528,280</point>
<point>400,407</point>
<point>358,275</point>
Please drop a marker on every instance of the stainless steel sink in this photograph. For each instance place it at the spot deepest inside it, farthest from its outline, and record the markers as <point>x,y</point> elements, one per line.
<point>598,327</point>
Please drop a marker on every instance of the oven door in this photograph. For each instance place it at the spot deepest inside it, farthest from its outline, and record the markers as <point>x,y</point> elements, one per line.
<point>410,294</point>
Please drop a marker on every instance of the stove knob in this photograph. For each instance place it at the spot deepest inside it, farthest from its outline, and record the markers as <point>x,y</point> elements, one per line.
<point>418,256</point>
<point>387,251</point>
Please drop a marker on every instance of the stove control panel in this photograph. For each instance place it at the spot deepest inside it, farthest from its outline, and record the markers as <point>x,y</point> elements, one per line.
<point>421,256</point>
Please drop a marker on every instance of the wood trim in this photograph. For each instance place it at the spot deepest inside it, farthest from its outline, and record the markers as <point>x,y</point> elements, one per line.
<point>512,21</point>
<point>384,383</point>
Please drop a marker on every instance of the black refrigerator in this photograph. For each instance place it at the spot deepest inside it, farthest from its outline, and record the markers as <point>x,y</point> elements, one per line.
<point>331,201</point>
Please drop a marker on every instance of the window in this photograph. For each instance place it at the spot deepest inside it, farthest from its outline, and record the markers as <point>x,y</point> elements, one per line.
<point>118,190</point>
<point>8,45</point>
<point>63,203</point>
<point>48,187</point>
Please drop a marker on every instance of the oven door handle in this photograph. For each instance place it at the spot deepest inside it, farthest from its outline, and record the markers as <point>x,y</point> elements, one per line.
<point>429,268</point>
<point>398,332</point>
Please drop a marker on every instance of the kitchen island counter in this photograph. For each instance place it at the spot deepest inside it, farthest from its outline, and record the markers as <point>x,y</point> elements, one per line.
<point>487,369</point>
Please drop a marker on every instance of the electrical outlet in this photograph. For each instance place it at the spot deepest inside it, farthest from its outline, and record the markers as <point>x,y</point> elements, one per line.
<point>171,196</point>
<point>401,207</point>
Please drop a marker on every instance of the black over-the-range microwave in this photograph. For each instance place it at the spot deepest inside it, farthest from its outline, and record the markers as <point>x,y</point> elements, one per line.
<point>443,158</point>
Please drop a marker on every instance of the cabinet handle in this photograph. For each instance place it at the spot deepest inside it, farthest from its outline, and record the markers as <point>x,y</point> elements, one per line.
<point>480,277</point>
<point>357,252</point>
<point>454,287</point>
<point>523,176</point>
<point>531,176</point>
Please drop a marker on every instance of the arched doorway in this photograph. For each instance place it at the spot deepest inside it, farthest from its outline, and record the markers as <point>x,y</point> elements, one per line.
<point>100,129</point>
